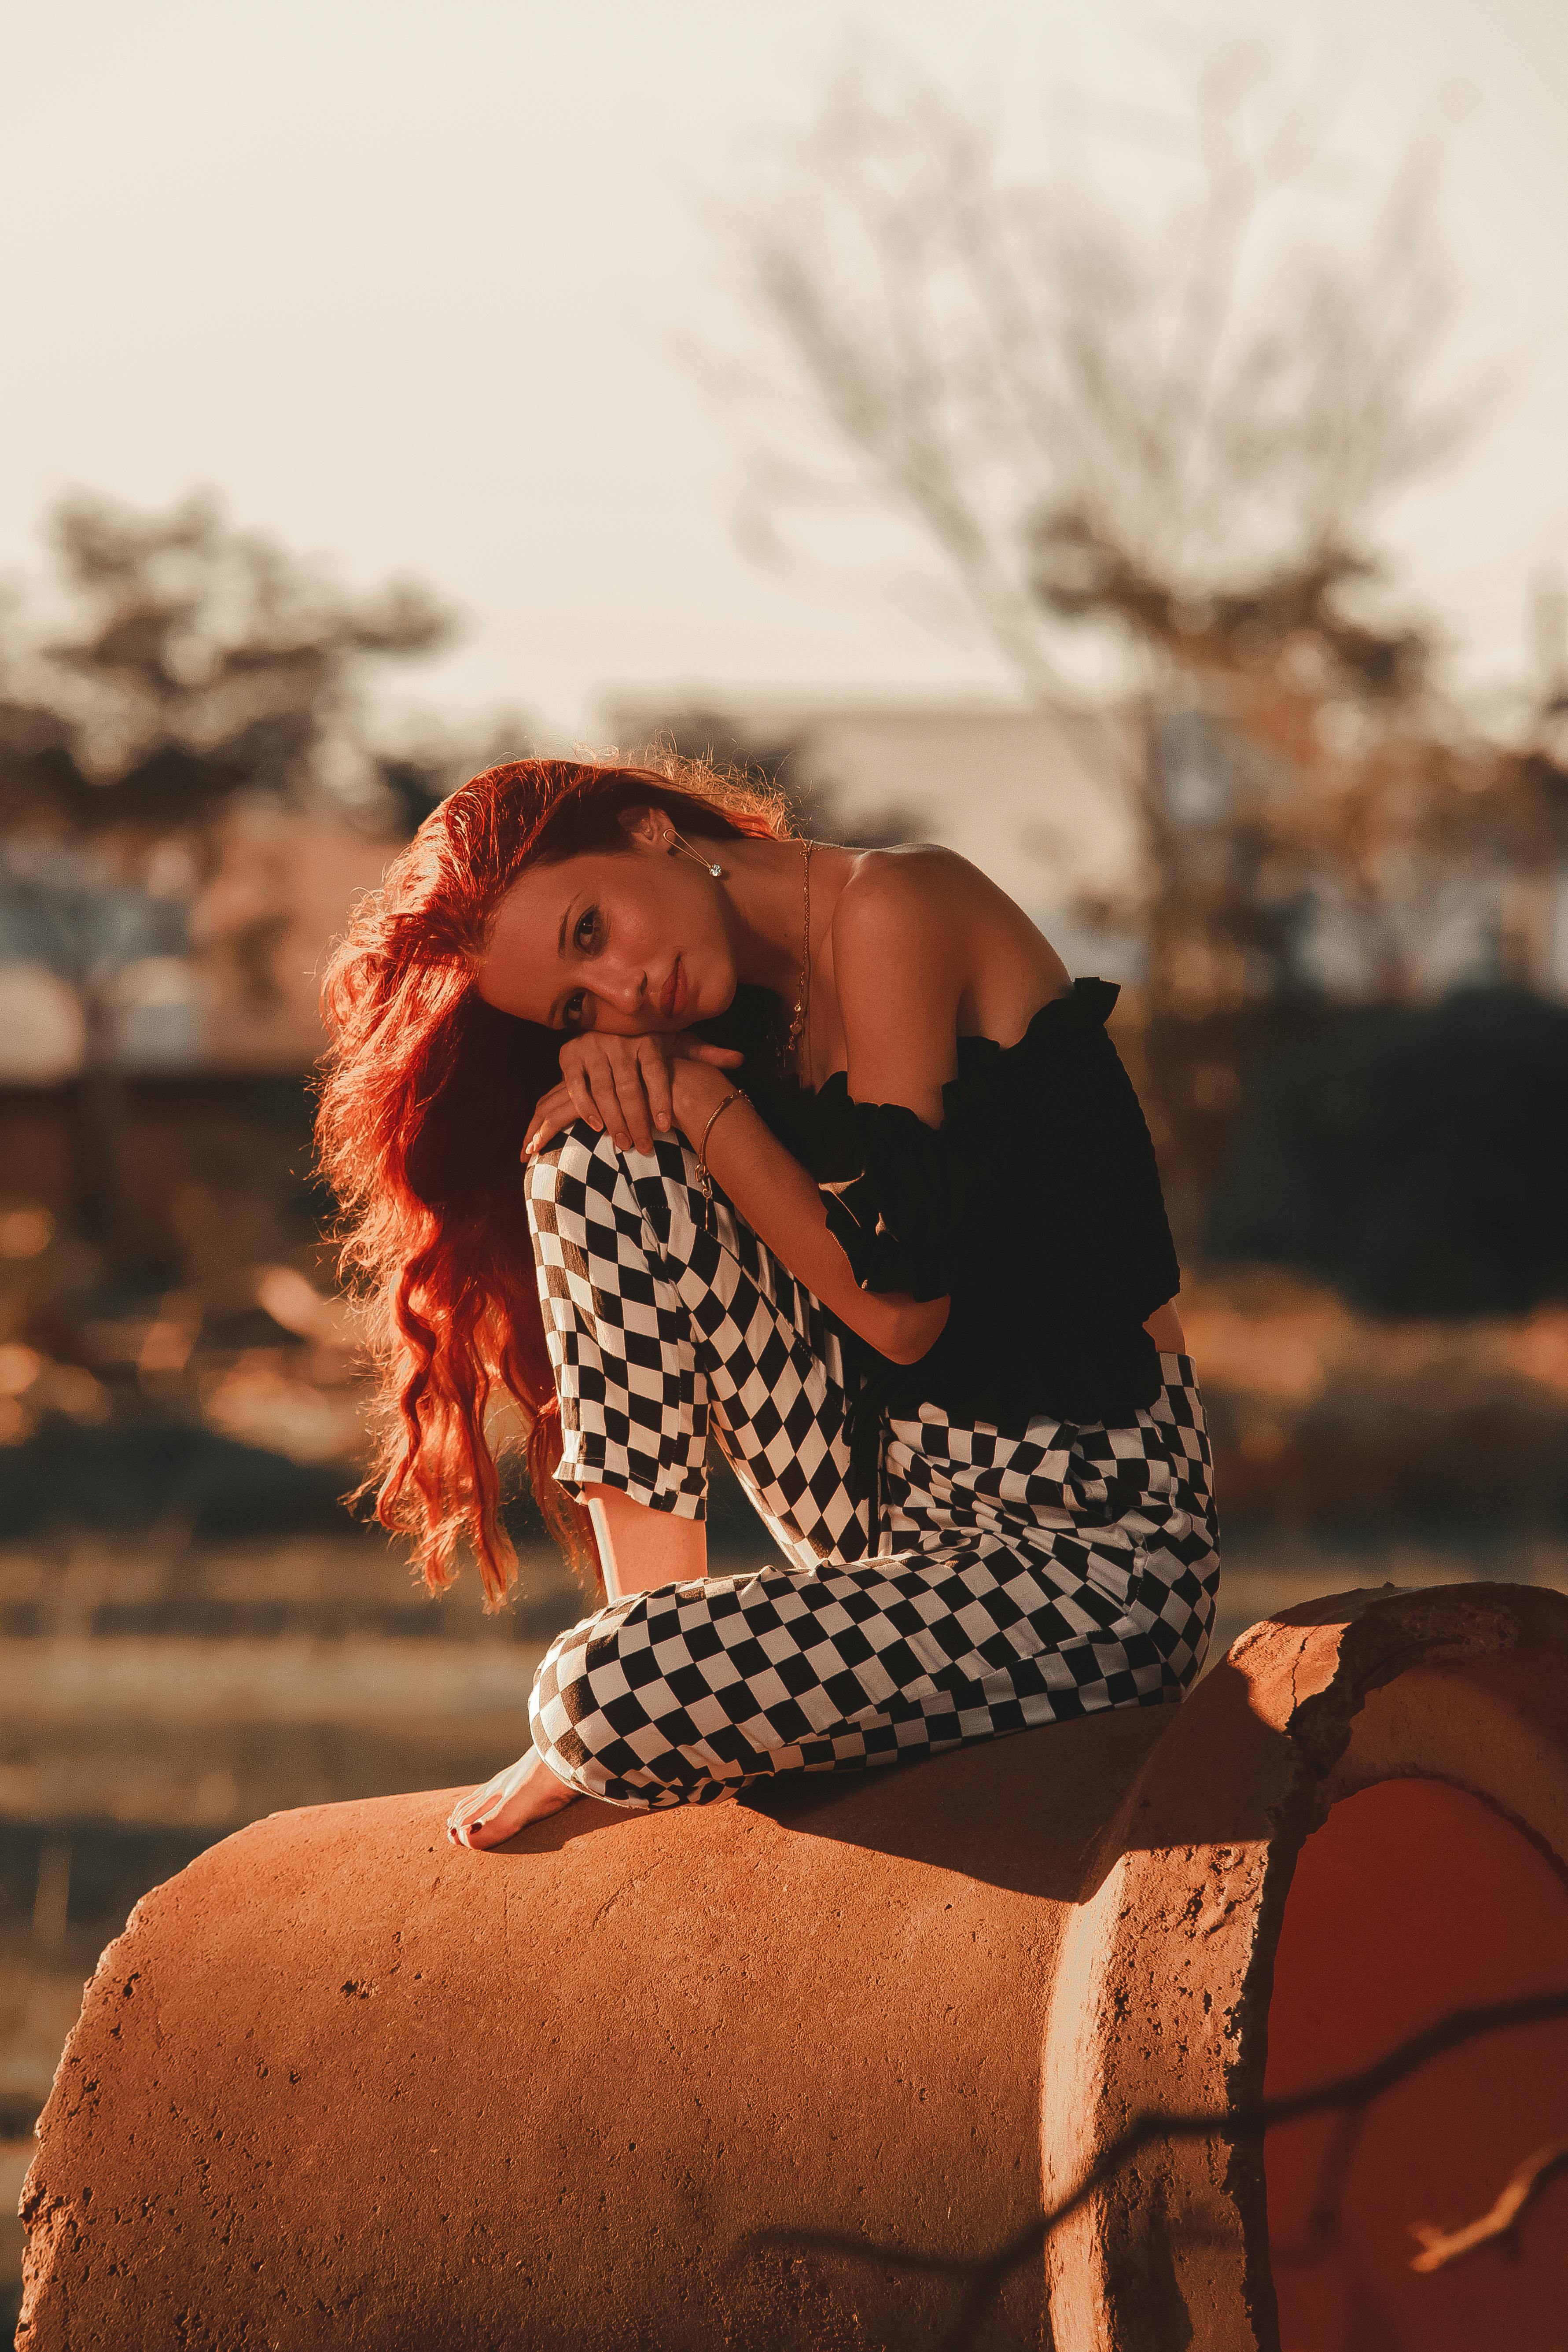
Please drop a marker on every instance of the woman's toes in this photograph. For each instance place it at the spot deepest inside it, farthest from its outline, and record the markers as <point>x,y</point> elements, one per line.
<point>512,1801</point>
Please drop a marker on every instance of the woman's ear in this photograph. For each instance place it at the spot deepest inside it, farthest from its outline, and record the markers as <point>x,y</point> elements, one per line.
<point>644,825</point>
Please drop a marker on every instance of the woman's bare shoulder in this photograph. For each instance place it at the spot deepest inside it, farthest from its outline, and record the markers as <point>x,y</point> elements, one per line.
<point>913,878</point>
<point>927,904</point>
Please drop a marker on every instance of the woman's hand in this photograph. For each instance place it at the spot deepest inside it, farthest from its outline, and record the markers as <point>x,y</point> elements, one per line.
<point>621,1085</point>
<point>526,1791</point>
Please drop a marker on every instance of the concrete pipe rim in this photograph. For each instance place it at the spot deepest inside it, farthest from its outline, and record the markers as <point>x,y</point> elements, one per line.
<point>1168,1977</point>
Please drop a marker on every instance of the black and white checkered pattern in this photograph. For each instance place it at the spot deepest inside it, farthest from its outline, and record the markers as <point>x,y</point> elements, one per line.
<point>1014,1580</point>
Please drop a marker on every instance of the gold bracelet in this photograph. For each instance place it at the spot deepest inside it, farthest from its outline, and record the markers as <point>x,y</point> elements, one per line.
<point>704,1176</point>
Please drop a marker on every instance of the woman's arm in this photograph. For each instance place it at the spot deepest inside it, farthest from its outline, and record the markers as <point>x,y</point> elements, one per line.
<point>899,967</point>
<point>780,1201</point>
<point>773,1193</point>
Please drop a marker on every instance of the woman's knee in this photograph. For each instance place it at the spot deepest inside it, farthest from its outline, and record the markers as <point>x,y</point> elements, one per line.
<point>574,1185</point>
<point>572,1155</point>
<point>583,1155</point>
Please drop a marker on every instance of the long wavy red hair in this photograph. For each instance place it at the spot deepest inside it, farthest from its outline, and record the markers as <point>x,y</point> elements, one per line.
<point>426,1094</point>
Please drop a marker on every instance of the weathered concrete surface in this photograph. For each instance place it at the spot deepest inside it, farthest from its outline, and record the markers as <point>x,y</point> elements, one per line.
<point>339,2083</point>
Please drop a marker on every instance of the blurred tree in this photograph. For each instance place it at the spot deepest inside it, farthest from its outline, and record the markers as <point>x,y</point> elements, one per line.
<point>189,663</point>
<point>1175,425</point>
<point>197,660</point>
<point>1167,416</point>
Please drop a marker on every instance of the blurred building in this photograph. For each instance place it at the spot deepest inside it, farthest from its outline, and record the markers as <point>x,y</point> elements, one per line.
<point>1469,913</point>
<point>212,971</point>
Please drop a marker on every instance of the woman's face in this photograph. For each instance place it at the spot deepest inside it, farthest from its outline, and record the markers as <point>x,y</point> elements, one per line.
<point>623,940</point>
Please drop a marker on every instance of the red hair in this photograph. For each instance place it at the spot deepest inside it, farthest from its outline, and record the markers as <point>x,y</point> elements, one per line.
<point>426,1097</point>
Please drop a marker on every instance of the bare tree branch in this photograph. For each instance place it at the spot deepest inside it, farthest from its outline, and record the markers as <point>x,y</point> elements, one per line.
<point>1438,2247</point>
<point>1221,385</point>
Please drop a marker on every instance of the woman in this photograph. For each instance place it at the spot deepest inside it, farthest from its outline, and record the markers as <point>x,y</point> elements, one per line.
<point>826,1157</point>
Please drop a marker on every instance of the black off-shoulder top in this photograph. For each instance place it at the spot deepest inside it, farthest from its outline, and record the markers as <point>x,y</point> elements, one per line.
<point>1036,1207</point>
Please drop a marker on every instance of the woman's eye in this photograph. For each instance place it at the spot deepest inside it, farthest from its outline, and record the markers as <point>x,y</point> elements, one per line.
<point>586,930</point>
<point>571,1011</point>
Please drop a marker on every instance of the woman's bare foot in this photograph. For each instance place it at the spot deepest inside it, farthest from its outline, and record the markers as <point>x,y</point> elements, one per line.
<point>526,1791</point>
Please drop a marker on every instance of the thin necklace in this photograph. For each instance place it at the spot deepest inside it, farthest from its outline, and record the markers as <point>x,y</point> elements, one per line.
<point>800,1020</point>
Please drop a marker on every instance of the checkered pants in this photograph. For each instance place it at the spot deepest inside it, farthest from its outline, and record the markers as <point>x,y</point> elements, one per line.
<point>1013,1580</point>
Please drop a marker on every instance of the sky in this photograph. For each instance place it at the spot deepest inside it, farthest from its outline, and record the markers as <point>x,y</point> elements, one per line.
<point>404,280</point>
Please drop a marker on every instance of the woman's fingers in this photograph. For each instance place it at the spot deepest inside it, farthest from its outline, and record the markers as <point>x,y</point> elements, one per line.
<point>619,1071</point>
<point>621,1087</point>
<point>654,1071</point>
<point>591,1094</point>
<point>633,1084</point>
<point>618,1122</point>
<point>580,1094</point>
<point>555,1112</point>
<point>723,1057</point>
<point>591,1069</point>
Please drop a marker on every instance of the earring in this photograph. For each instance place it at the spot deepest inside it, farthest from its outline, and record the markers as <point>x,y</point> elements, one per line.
<point>677,847</point>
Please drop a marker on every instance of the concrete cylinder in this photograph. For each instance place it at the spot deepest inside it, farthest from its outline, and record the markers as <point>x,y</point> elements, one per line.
<point>786,2073</point>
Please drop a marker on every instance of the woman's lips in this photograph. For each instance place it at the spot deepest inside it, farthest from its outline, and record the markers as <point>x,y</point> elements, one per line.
<point>674,994</point>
